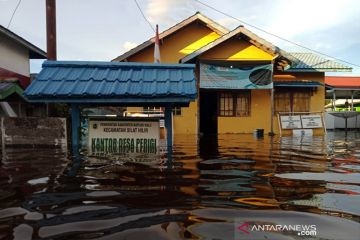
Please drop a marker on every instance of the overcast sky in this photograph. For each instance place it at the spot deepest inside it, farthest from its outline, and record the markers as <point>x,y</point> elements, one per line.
<point>103,29</point>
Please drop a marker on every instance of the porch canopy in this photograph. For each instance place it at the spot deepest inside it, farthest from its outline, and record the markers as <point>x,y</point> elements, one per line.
<point>115,83</point>
<point>297,84</point>
<point>81,83</point>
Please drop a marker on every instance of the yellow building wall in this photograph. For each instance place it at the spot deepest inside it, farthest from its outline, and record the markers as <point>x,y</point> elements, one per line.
<point>134,109</point>
<point>261,108</point>
<point>187,122</point>
<point>236,50</point>
<point>194,36</point>
<point>260,115</point>
<point>172,49</point>
<point>317,101</point>
<point>241,50</point>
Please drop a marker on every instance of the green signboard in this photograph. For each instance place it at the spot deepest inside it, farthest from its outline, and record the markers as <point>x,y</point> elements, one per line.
<point>124,135</point>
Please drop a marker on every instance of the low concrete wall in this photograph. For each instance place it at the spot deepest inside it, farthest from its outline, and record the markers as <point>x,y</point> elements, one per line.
<point>33,131</point>
<point>333,122</point>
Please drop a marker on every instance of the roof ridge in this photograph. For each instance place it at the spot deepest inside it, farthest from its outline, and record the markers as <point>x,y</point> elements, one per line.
<point>197,16</point>
<point>106,64</point>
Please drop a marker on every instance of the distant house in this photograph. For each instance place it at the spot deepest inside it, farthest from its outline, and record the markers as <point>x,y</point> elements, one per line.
<point>244,81</point>
<point>342,89</point>
<point>15,55</point>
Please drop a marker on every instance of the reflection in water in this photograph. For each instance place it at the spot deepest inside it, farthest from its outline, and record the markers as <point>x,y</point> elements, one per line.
<point>211,184</point>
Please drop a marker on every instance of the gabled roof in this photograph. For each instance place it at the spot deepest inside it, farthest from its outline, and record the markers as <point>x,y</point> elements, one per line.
<point>242,32</point>
<point>35,52</point>
<point>113,82</point>
<point>196,17</point>
<point>310,62</point>
<point>8,88</point>
<point>343,82</point>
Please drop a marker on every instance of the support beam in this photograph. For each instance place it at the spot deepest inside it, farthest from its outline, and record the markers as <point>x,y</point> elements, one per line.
<point>352,100</point>
<point>168,125</point>
<point>3,140</point>
<point>272,114</point>
<point>75,125</point>
<point>334,100</point>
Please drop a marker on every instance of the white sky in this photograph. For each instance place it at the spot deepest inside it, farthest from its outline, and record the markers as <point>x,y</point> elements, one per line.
<point>103,29</point>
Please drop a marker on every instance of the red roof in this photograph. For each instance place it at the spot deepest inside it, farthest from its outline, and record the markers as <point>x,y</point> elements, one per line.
<point>343,82</point>
<point>7,75</point>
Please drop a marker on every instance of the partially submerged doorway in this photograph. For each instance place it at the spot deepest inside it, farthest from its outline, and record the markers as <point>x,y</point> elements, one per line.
<point>208,112</point>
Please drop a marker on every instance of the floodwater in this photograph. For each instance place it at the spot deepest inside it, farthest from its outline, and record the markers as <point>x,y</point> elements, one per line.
<point>217,189</point>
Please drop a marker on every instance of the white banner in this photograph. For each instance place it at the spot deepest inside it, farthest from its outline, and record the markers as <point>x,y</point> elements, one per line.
<point>311,121</point>
<point>290,122</point>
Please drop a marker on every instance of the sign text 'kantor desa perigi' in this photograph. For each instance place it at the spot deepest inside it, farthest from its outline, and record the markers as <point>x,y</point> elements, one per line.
<point>124,135</point>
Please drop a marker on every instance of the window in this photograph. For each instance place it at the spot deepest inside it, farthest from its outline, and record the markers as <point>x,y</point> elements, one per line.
<point>152,109</point>
<point>226,104</point>
<point>292,101</point>
<point>234,104</point>
<point>177,111</point>
<point>243,105</point>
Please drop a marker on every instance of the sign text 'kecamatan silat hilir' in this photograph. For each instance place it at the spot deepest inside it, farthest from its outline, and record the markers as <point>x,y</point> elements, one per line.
<point>120,136</point>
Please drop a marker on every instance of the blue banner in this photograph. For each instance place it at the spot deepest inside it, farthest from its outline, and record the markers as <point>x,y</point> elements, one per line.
<point>228,77</point>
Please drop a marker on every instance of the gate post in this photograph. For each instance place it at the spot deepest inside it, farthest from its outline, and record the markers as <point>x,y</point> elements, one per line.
<point>75,124</point>
<point>168,125</point>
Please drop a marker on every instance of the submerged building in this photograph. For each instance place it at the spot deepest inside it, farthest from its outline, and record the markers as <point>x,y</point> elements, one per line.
<point>243,80</point>
<point>15,55</point>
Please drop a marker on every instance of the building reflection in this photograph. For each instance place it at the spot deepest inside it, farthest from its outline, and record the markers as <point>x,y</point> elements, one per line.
<point>158,196</point>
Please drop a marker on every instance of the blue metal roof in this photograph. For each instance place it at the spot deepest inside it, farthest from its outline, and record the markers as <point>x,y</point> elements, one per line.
<point>113,82</point>
<point>297,84</point>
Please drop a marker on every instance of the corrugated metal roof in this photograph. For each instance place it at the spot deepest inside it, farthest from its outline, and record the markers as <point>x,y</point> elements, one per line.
<point>69,81</point>
<point>310,62</point>
<point>35,52</point>
<point>343,82</point>
<point>8,88</point>
<point>297,84</point>
<point>196,17</point>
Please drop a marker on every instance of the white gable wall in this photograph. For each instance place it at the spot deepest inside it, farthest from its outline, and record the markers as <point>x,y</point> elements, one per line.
<point>14,57</point>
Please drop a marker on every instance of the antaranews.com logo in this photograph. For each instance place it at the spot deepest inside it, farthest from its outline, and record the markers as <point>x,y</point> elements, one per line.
<point>253,230</point>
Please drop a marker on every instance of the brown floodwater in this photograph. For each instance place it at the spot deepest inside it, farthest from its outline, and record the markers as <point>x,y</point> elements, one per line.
<point>207,189</point>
